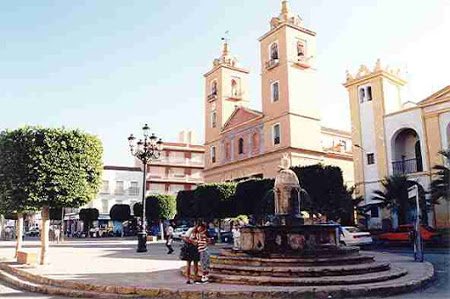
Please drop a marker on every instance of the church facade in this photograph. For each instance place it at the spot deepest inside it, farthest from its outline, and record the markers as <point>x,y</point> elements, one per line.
<point>393,137</point>
<point>241,142</point>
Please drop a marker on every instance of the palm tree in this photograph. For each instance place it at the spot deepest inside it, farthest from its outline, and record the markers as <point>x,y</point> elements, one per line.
<point>395,195</point>
<point>440,186</point>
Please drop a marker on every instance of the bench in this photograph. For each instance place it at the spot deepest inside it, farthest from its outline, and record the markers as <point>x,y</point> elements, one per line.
<point>25,257</point>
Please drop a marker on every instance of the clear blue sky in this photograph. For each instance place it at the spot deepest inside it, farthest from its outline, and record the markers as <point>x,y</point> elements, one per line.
<point>108,67</point>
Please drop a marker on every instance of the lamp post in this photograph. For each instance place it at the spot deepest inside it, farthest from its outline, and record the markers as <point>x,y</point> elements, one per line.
<point>145,150</point>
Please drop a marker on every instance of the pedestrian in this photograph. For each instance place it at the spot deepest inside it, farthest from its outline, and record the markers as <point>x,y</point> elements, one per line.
<point>202,246</point>
<point>236,237</point>
<point>57,233</point>
<point>190,254</point>
<point>169,238</point>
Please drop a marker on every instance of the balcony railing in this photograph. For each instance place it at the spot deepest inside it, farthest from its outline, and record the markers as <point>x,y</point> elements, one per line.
<point>212,97</point>
<point>272,63</point>
<point>175,177</point>
<point>178,161</point>
<point>407,166</point>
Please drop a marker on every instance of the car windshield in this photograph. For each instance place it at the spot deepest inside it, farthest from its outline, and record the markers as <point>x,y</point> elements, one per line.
<point>352,229</point>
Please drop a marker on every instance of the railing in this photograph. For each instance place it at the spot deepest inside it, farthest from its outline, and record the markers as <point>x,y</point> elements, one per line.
<point>407,166</point>
<point>212,97</point>
<point>119,192</point>
<point>178,161</point>
<point>175,177</point>
<point>272,63</point>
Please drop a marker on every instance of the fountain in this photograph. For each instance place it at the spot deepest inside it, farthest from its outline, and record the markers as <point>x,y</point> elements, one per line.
<point>289,252</point>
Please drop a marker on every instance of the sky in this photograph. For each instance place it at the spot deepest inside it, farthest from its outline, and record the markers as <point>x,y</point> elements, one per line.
<point>108,67</point>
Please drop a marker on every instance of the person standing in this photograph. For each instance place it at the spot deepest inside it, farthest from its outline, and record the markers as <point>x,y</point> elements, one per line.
<point>169,238</point>
<point>236,237</point>
<point>202,245</point>
<point>190,254</point>
<point>57,233</point>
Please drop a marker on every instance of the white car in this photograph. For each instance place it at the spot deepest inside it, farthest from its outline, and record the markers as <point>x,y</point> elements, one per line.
<point>179,232</point>
<point>352,236</point>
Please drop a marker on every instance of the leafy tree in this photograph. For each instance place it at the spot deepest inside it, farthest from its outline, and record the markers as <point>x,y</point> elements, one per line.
<point>326,193</point>
<point>394,196</point>
<point>44,167</point>
<point>120,212</point>
<point>251,196</point>
<point>88,216</point>
<point>215,200</point>
<point>160,207</point>
<point>186,204</point>
<point>440,185</point>
<point>137,209</point>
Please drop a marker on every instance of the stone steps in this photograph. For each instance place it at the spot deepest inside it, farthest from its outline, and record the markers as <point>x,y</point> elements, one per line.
<point>295,271</point>
<point>388,275</point>
<point>24,284</point>
<point>288,262</point>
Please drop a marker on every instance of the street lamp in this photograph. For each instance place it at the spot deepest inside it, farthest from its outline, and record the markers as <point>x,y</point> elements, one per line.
<point>145,150</point>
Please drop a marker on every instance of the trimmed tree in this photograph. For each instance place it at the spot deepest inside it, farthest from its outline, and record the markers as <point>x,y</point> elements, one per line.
<point>215,200</point>
<point>186,204</point>
<point>161,207</point>
<point>48,167</point>
<point>120,213</point>
<point>255,197</point>
<point>88,216</point>
<point>440,185</point>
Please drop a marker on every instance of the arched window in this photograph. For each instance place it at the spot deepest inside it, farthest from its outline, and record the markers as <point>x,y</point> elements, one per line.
<point>213,154</point>
<point>301,50</point>
<point>241,146</point>
<point>274,51</point>
<point>362,95</point>
<point>255,142</point>
<point>214,88</point>
<point>227,151</point>
<point>234,88</point>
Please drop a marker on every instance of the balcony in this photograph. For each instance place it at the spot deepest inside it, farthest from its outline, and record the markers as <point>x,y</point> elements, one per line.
<point>212,97</point>
<point>178,161</point>
<point>175,178</point>
<point>406,166</point>
<point>272,63</point>
<point>237,96</point>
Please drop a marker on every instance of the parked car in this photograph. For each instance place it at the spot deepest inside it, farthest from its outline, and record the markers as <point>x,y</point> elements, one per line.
<point>352,236</point>
<point>33,232</point>
<point>403,234</point>
<point>179,232</point>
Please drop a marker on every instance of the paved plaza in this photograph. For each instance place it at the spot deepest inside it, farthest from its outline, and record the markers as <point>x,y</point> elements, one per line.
<point>115,262</point>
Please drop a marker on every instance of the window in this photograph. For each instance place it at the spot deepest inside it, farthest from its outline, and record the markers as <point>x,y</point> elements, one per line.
<point>213,154</point>
<point>343,145</point>
<point>362,95</point>
<point>374,212</point>
<point>214,88</point>
<point>365,94</point>
<point>370,159</point>
<point>134,189</point>
<point>255,142</point>
<point>105,187</point>
<point>276,134</point>
<point>213,119</point>
<point>234,88</point>
<point>274,51</point>
<point>301,54</point>
<point>369,93</point>
<point>119,187</point>
<point>227,150</point>
<point>241,146</point>
<point>105,207</point>
<point>275,91</point>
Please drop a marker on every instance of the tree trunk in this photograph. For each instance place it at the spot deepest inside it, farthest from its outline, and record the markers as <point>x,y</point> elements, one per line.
<point>2,227</point>
<point>161,228</point>
<point>62,225</point>
<point>19,232</point>
<point>45,225</point>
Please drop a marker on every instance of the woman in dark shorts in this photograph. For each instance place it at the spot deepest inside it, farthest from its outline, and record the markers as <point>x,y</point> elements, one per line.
<point>189,253</point>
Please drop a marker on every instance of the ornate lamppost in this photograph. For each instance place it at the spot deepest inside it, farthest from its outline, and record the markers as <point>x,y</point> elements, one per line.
<point>145,150</point>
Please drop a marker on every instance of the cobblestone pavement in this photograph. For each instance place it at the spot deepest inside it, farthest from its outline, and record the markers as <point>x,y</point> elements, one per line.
<point>113,261</point>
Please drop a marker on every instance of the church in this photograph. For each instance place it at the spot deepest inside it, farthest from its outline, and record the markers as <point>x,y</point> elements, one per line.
<point>241,142</point>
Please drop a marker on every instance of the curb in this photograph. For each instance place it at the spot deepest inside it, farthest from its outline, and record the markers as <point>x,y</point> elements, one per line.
<point>35,283</point>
